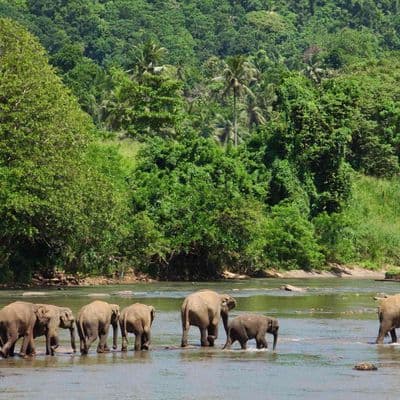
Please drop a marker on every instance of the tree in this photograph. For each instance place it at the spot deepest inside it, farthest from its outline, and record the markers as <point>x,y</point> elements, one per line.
<point>237,75</point>
<point>148,58</point>
<point>58,206</point>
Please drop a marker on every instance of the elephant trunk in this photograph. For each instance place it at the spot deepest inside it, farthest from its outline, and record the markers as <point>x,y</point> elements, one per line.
<point>115,334</point>
<point>275,340</point>
<point>224,316</point>
<point>72,333</point>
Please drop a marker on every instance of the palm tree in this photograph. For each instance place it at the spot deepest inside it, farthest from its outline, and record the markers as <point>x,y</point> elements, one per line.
<point>148,58</point>
<point>237,75</point>
<point>223,129</point>
<point>253,112</point>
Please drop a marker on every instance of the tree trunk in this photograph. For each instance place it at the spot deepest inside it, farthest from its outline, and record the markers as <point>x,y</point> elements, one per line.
<point>235,134</point>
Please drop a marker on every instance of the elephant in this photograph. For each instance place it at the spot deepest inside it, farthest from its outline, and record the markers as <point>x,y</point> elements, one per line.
<point>204,309</point>
<point>389,318</point>
<point>60,317</point>
<point>251,326</point>
<point>94,321</point>
<point>17,320</point>
<point>137,319</point>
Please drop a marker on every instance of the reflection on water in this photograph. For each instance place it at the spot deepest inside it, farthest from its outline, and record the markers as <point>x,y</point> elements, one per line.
<point>324,332</point>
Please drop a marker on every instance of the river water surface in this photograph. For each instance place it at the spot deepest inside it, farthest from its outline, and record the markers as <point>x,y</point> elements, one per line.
<point>324,332</point>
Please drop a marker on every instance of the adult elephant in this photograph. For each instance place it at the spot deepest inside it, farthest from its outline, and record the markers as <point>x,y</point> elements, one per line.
<point>389,318</point>
<point>204,309</point>
<point>18,320</point>
<point>137,319</point>
<point>59,317</point>
<point>94,321</point>
<point>252,326</point>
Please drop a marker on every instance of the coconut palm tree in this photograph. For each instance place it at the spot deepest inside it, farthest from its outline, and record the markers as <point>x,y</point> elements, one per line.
<point>237,76</point>
<point>148,58</point>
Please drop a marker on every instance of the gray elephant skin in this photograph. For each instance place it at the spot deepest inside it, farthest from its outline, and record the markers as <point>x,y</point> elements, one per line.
<point>60,317</point>
<point>389,318</point>
<point>137,318</point>
<point>18,320</point>
<point>252,326</point>
<point>204,310</point>
<point>93,321</point>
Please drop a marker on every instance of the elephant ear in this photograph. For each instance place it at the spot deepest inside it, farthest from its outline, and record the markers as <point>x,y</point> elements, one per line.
<point>228,301</point>
<point>42,314</point>
<point>66,316</point>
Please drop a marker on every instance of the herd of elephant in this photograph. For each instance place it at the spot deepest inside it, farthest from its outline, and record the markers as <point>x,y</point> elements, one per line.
<point>203,309</point>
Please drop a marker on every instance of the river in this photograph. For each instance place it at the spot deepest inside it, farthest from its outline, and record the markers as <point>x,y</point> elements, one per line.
<point>324,332</point>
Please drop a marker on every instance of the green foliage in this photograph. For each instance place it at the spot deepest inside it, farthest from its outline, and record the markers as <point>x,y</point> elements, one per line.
<point>201,201</point>
<point>145,107</point>
<point>367,231</point>
<point>58,205</point>
<point>306,91</point>
<point>290,240</point>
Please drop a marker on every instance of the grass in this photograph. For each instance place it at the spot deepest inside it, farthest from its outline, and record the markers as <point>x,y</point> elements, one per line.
<point>374,215</point>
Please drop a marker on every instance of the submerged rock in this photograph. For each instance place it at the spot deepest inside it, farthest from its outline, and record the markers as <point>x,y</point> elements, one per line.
<point>365,366</point>
<point>33,294</point>
<point>291,288</point>
<point>123,293</point>
<point>232,275</point>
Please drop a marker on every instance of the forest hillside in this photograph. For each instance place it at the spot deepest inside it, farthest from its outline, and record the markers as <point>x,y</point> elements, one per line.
<point>184,137</point>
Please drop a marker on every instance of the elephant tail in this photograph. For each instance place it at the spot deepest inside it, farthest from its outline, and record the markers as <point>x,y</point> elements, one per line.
<point>82,334</point>
<point>124,326</point>
<point>185,317</point>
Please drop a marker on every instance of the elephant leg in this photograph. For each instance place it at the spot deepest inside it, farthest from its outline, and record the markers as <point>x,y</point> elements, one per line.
<point>261,343</point>
<point>212,334</point>
<point>11,352</point>
<point>88,342</point>
<point>203,337</point>
<point>185,333</point>
<point>30,350</point>
<point>10,343</point>
<point>124,334</point>
<point>383,330</point>
<point>27,340</point>
<point>146,339</point>
<point>138,341</point>
<point>102,346</point>
<point>54,344</point>
<point>393,335</point>
<point>124,346</point>
<point>243,343</point>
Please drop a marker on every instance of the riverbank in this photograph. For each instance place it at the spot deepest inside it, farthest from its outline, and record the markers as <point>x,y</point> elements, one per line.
<point>60,279</point>
<point>333,271</point>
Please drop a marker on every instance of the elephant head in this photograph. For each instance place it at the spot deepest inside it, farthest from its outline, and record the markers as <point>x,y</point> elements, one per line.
<point>273,328</point>
<point>227,304</point>
<point>115,313</point>
<point>67,321</point>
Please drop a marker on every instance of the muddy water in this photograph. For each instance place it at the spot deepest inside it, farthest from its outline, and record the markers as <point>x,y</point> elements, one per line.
<point>324,333</point>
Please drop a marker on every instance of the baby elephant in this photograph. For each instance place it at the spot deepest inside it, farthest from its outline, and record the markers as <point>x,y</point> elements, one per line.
<point>94,321</point>
<point>137,319</point>
<point>252,326</point>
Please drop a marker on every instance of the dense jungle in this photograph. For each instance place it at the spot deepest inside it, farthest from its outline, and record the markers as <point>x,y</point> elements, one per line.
<point>184,137</point>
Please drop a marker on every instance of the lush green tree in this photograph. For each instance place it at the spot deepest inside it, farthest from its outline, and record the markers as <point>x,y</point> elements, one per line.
<point>152,106</point>
<point>202,202</point>
<point>57,206</point>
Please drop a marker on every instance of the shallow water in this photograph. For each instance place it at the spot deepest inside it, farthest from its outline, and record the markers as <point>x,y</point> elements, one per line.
<point>324,332</point>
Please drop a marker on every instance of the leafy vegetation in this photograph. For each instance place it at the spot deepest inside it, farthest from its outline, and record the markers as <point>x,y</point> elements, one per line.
<point>185,137</point>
